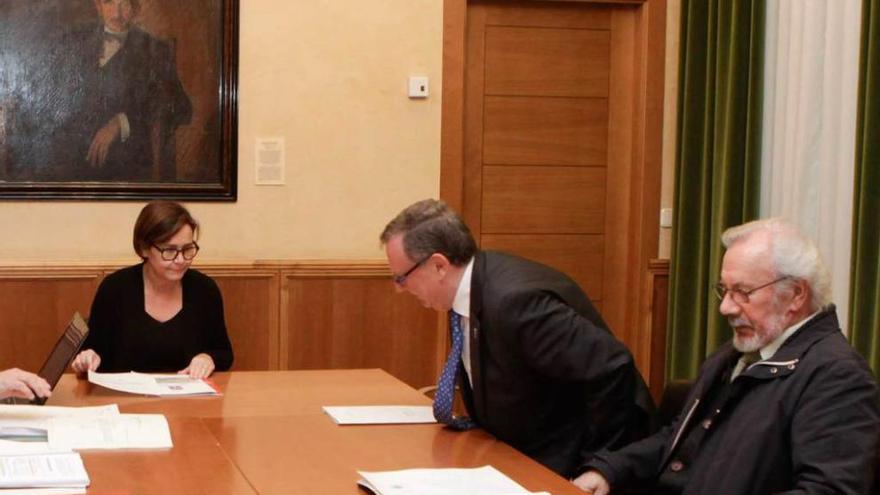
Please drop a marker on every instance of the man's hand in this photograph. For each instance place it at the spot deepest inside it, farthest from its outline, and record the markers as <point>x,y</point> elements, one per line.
<point>201,366</point>
<point>85,361</point>
<point>592,482</point>
<point>17,383</point>
<point>101,142</point>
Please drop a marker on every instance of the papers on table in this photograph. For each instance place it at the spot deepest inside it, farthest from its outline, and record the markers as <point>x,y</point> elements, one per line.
<point>125,431</point>
<point>485,480</point>
<point>373,415</point>
<point>61,470</point>
<point>161,385</point>
<point>33,429</point>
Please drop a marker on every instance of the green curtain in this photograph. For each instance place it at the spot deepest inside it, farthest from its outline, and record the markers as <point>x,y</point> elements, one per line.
<point>864,315</point>
<point>717,170</point>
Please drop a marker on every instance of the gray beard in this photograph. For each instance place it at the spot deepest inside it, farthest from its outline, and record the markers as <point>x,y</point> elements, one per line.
<point>757,341</point>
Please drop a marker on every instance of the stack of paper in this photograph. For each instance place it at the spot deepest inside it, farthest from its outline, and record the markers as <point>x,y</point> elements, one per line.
<point>476,481</point>
<point>50,473</point>
<point>161,385</point>
<point>81,428</point>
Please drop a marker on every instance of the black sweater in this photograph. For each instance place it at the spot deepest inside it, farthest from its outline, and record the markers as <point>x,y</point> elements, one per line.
<point>129,339</point>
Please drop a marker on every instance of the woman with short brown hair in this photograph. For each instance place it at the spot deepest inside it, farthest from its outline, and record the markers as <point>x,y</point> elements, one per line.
<point>159,315</point>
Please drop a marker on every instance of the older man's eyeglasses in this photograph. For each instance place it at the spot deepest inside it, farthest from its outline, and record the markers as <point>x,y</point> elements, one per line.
<point>741,296</point>
<point>400,279</point>
<point>170,253</point>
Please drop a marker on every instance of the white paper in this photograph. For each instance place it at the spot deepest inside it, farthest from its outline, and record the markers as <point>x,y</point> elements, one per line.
<point>45,429</point>
<point>50,470</point>
<point>126,431</point>
<point>485,480</point>
<point>8,411</point>
<point>8,447</point>
<point>183,385</point>
<point>376,415</point>
<point>43,491</point>
<point>146,384</point>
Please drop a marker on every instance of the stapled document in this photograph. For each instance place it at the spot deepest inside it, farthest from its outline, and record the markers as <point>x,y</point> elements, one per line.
<point>376,415</point>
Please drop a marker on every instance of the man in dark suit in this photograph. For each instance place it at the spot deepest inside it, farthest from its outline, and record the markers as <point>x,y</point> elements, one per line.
<point>787,406</point>
<point>537,366</point>
<point>122,99</point>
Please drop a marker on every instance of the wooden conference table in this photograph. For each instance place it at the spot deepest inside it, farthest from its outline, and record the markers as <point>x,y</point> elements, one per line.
<point>267,434</point>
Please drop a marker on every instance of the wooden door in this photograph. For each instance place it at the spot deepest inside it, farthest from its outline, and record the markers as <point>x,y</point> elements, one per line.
<point>554,141</point>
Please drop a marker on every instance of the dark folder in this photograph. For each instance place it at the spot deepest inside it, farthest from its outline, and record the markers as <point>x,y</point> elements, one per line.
<point>62,354</point>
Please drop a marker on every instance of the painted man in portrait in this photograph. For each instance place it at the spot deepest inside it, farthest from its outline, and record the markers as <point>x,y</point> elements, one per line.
<point>122,100</point>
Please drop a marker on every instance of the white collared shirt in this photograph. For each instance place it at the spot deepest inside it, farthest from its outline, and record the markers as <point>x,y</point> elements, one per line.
<point>461,304</point>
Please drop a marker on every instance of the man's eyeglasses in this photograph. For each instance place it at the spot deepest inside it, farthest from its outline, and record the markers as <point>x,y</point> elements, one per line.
<point>400,279</point>
<point>740,296</point>
<point>170,253</point>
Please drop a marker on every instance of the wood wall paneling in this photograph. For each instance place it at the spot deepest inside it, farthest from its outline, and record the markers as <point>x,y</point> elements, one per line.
<point>251,308</point>
<point>279,314</point>
<point>34,311</point>
<point>360,323</point>
<point>655,374</point>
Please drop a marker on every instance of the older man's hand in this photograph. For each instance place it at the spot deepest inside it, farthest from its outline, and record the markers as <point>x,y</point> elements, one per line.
<point>17,383</point>
<point>592,482</point>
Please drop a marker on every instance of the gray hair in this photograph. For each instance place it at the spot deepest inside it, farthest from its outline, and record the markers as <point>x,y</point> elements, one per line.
<point>792,253</point>
<point>431,226</point>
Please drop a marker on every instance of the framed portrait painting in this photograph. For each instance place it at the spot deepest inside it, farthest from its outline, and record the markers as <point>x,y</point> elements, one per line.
<point>118,99</point>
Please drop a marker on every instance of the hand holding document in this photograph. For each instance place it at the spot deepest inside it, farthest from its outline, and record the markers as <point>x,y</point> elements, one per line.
<point>378,415</point>
<point>159,385</point>
<point>485,480</point>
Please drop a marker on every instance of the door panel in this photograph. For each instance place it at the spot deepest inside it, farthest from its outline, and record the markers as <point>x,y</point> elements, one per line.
<point>545,131</point>
<point>539,138</point>
<point>543,200</point>
<point>516,61</point>
<point>579,256</point>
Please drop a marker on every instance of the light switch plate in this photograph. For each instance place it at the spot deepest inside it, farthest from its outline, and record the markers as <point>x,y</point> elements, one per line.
<point>418,86</point>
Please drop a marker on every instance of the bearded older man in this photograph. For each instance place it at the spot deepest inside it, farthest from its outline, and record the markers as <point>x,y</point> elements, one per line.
<point>787,407</point>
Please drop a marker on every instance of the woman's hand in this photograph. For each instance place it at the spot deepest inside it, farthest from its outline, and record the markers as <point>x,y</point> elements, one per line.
<point>85,361</point>
<point>201,366</point>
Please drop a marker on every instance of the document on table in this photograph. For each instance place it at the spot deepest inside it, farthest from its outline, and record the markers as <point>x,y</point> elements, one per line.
<point>125,431</point>
<point>42,491</point>
<point>377,415</point>
<point>150,384</point>
<point>485,480</point>
<point>8,411</point>
<point>62,470</point>
<point>42,429</point>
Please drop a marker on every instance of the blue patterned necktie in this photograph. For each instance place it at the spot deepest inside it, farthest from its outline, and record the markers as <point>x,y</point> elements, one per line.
<point>445,394</point>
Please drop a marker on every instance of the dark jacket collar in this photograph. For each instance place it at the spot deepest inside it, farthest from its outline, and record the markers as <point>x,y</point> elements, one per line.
<point>785,361</point>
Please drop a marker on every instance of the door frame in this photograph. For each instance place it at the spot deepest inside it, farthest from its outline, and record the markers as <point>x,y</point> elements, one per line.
<point>646,135</point>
